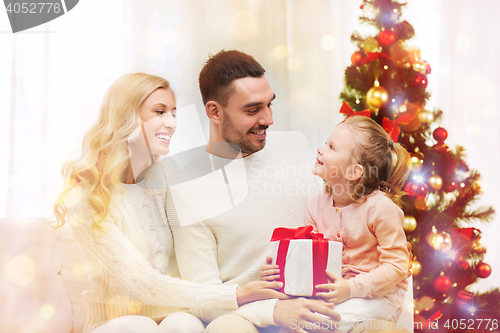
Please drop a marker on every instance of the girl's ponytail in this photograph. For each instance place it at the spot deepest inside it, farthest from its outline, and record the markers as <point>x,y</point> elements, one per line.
<point>386,164</point>
<point>400,169</point>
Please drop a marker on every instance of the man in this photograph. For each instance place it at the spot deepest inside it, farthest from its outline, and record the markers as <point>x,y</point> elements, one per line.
<point>222,221</point>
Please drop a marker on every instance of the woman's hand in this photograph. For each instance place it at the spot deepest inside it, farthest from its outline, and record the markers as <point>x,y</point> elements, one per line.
<point>338,291</point>
<point>269,272</point>
<point>259,290</point>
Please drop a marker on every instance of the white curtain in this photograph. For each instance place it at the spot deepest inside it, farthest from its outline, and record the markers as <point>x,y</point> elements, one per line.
<point>54,76</point>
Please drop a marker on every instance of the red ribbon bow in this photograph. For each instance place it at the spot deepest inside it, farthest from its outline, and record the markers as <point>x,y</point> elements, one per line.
<point>346,109</point>
<point>370,56</point>
<point>298,233</point>
<point>320,252</point>
<point>392,127</point>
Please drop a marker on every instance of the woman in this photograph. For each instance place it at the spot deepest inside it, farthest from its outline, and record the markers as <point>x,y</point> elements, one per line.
<point>118,217</point>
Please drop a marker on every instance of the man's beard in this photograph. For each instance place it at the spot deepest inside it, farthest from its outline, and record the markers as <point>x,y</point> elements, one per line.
<point>231,134</point>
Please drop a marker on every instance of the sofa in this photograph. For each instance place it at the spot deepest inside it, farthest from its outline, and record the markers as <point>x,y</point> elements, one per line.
<point>42,277</point>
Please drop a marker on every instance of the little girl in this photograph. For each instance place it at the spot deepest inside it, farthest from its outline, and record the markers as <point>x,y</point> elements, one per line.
<point>363,171</point>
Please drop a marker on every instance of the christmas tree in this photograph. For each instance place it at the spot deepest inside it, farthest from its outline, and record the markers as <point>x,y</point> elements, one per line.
<point>388,77</point>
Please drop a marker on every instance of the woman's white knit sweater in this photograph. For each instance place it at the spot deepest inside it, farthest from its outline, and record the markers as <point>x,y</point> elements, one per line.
<point>132,267</point>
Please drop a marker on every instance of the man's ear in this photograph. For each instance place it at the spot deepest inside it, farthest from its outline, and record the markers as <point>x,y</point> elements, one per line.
<point>212,108</point>
<point>354,172</point>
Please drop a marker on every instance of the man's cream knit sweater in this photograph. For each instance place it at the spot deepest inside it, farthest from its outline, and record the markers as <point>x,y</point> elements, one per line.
<point>223,221</point>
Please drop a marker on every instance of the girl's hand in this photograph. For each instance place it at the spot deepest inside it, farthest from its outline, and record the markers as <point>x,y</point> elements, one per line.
<point>259,290</point>
<point>338,291</point>
<point>269,272</point>
<point>410,265</point>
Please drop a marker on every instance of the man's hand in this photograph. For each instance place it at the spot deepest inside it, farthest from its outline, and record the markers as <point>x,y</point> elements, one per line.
<point>410,265</point>
<point>259,290</point>
<point>299,315</point>
<point>338,291</point>
<point>269,272</point>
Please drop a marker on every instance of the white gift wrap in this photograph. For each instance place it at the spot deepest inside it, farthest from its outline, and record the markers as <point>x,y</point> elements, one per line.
<point>299,265</point>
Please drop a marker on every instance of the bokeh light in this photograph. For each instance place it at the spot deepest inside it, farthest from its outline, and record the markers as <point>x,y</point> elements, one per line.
<point>79,269</point>
<point>244,26</point>
<point>21,270</point>
<point>134,307</point>
<point>279,51</point>
<point>75,219</point>
<point>328,42</point>
<point>47,311</point>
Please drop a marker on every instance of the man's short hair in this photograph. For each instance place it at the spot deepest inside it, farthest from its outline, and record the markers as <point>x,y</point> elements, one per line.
<point>220,70</point>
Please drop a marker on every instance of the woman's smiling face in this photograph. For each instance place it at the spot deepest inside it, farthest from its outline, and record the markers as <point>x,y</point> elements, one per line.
<point>158,113</point>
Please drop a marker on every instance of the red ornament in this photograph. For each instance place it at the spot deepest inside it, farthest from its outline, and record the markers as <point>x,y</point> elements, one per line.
<point>441,148</point>
<point>386,37</point>
<point>404,30</point>
<point>420,80</point>
<point>450,186</point>
<point>445,163</point>
<point>463,264</point>
<point>442,284</point>
<point>440,134</point>
<point>483,270</point>
<point>464,299</point>
<point>420,322</point>
<point>362,6</point>
<point>462,239</point>
<point>356,58</point>
<point>415,189</point>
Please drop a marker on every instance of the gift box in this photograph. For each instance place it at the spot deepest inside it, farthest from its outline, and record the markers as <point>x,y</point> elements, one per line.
<point>303,256</point>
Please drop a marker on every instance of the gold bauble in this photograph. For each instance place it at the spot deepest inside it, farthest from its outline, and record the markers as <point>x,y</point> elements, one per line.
<point>414,55</point>
<point>426,303</point>
<point>416,163</point>
<point>479,245</point>
<point>420,67</point>
<point>476,187</point>
<point>413,108</point>
<point>439,241</point>
<point>426,117</point>
<point>409,223</point>
<point>420,203</point>
<point>399,55</point>
<point>416,267</point>
<point>435,182</point>
<point>432,239</point>
<point>370,44</point>
<point>416,305</point>
<point>377,97</point>
<point>445,242</point>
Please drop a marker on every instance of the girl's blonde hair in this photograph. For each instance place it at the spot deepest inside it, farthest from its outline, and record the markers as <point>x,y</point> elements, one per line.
<point>386,164</point>
<point>105,158</point>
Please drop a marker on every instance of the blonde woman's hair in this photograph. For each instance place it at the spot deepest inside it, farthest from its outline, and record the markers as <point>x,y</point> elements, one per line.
<point>385,168</point>
<point>105,158</point>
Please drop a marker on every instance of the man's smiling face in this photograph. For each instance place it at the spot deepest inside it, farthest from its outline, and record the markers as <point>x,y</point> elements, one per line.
<point>247,115</point>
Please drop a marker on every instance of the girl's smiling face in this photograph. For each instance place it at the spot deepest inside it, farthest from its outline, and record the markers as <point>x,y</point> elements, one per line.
<point>334,160</point>
<point>158,113</point>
